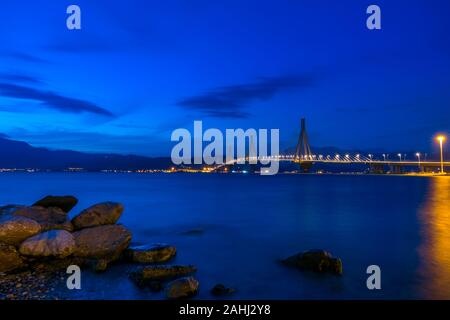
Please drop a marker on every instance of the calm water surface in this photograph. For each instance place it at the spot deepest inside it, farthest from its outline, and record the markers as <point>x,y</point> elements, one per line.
<point>235,228</point>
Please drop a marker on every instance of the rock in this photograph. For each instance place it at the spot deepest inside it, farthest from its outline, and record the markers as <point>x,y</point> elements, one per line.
<point>99,214</point>
<point>182,288</point>
<point>143,276</point>
<point>221,290</point>
<point>99,265</point>
<point>9,209</point>
<point>53,243</point>
<point>14,230</point>
<point>103,242</point>
<point>315,260</point>
<point>49,218</point>
<point>65,203</point>
<point>157,253</point>
<point>9,258</point>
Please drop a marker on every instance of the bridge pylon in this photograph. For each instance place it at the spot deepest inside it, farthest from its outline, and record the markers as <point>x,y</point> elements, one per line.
<point>303,153</point>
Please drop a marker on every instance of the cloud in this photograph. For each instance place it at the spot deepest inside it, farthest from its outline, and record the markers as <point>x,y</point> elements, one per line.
<point>52,100</point>
<point>21,78</point>
<point>229,101</point>
<point>24,57</point>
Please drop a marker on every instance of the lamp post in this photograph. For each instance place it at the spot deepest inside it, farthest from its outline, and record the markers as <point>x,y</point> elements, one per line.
<point>441,140</point>
<point>418,159</point>
<point>400,156</point>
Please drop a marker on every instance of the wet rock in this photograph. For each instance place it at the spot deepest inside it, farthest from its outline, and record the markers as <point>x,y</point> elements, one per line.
<point>65,203</point>
<point>315,260</point>
<point>9,258</point>
<point>146,275</point>
<point>9,209</point>
<point>50,264</point>
<point>53,243</point>
<point>14,229</point>
<point>99,265</point>
<point>158,253</point>
<point>49,218</point>
<point>103,242</point>
<point>220,290</point>
<point>99,214</point>
<point>182,288</point>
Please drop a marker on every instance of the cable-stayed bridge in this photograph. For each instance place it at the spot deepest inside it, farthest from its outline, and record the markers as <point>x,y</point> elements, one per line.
<point>304,156</point>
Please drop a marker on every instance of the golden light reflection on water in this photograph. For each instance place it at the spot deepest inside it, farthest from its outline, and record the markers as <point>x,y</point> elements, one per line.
<point>434,251</point>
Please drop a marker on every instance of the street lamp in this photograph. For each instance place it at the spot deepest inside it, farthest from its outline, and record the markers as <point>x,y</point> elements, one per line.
<point>441,139</point>
<point>418,158</point>
<point>400,156</point>
<point>384,156</point>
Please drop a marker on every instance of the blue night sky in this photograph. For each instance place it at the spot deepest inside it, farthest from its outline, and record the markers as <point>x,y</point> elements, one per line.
<point>139,69</point>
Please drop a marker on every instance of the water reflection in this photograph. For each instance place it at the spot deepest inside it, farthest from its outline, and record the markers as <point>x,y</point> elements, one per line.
<point>434,251</point>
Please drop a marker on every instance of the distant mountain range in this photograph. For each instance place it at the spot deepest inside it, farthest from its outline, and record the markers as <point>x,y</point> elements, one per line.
<point>18,154</point>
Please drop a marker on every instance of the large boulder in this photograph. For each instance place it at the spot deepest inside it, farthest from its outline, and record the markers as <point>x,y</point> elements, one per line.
<point>158,253</point>
<point>148,275</point>
<point>65,203</point>
<point>103,242</point>
<point>53,243</point>
<point>9,258</point>
<point>49,218</point>
<point>15,229</point>
<point>182,288</point>
<point>315,260</point>
<point>99,214</point>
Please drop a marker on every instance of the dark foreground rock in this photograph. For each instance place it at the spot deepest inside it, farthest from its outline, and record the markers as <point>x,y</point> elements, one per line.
<point>148,275</point>
<point>98,265</point>
<point>38,243</point>
<point>103,242</point>
<point>182,288</point>
<point>220,290</point>
<point>97,215</point>
<point>53,243</point>
<point>14,230</point>
<point>65,203</point>
<point>49,218</point>
<point>315,260</point>
<point>158,253</point>
<point>9,258</point>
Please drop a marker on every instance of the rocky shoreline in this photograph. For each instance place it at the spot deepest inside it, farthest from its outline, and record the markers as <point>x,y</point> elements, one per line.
<point>39,242</point>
